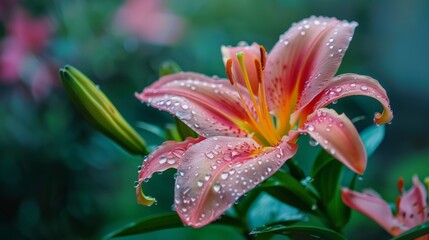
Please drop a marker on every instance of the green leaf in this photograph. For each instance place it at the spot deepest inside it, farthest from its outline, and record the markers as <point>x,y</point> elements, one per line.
<point>326,173</point>
<point>172,133</point>
<point>299,232</point>
<point>287,189</point>
<point>339,213</point>
<point>160,222</point>
<point>149,224</point>
<point>414,233</point>
<point>295,170</point>
<point>267,210</point>
<point>372,137</point>
<point>183,130</point>
<point>97,109</point>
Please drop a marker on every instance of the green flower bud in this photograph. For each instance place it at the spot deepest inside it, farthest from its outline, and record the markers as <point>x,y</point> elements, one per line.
<point>97,109</point>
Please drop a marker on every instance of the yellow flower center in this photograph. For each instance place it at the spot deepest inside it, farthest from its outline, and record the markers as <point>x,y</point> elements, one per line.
<point>261,125</point>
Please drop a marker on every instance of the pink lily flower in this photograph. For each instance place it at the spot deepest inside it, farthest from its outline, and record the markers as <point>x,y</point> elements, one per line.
<point>412,208</point>
<point>249,125</point>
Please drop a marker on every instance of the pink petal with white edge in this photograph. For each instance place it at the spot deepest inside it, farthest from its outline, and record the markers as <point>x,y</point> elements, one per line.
<point>351,85</point>
<point>213,175</point>
<point>250,54</point>
<point>374,207</point>
<point>211,107</point>
<point>413,207</point>
<point>306,57</point>
<point>168,155</point>
<point>337,134</point>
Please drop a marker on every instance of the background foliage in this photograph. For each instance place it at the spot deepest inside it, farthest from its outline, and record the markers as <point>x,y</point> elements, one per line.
<point>61,179</point>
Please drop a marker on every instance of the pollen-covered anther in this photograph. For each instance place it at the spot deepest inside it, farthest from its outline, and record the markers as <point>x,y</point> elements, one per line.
<point>401,185</point>
<point>228,69</point>
<point>258,67</point>
<point>263,56</point>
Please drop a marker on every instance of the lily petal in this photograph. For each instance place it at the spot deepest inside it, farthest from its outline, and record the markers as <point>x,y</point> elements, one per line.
<point>306,57</point>
<point>374,207</point>
<point>412,206</point>
<point>168,155</point>
<point>211,107</point>
<point>214,173</point>
<point>251,53</point>
<point>350,84</point>
<point>337,134</point>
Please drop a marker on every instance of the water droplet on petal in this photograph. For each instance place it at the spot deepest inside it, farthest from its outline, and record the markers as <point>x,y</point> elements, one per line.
<point>364,88</point>
<point>313,142</point>
<point>207,176</point>
<point>210,155</point>
<point>136,183</point>
<point>224,175</point>
<point>332,151</point>
<point>200,183</point>
<point>310,127</point>
<point>162,160</point>
<point>216,187</point>
<point>171,161</point>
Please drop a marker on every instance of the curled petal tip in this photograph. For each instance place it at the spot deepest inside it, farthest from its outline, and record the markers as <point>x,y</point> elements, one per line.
<point>383,118</point>
<point>143,199</point>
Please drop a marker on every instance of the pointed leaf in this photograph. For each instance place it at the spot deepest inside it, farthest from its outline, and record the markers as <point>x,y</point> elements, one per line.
<point>267,210</point>
<point>289,190</point>
<point>183,129</point>
<point>372,137</point>
<point>160,222</point>
<point>419,231</point>
<point>299,232</point>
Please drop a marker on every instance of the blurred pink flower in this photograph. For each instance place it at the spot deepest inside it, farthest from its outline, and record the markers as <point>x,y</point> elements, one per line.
<point>150,21</point>
<point>411,206</point>
<point>26,38</point>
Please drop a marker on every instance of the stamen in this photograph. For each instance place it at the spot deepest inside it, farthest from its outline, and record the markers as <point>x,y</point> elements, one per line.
<point>258,70</point>
<point>265,125</point>
<point>398,201</point>
<point>263,56</point>
<point>401,184</point>
<point>228,69</point>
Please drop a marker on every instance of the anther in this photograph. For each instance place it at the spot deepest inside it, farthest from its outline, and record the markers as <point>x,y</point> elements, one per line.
<point>398,201</point>
<point>263,56</point>
<point>258,68</point>
<point>401,184</point>
<point>228,69</point>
